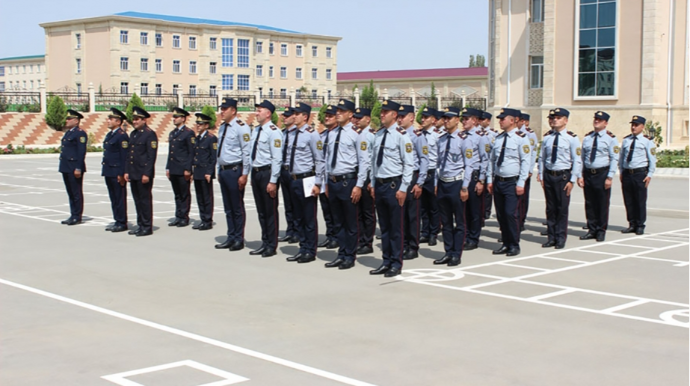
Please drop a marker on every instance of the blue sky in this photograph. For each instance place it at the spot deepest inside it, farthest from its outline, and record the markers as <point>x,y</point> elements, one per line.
<point>377,35</point>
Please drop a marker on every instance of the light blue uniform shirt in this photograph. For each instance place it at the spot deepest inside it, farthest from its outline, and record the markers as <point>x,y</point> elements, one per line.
<point>420,154</point>
<point>481,146</point>
<point>270,148</point>
<point>366,144</point>
<point>431,135</point>
<point>457,160</point>
<point>643,156</point>
<point>397,156</point>
<point>533,140</point>
<point>236,145</point>
<point>567,158</point>
<point>308,157</point>
<point>607,151</point>
<point>348,154</point>
<point>517,157</point>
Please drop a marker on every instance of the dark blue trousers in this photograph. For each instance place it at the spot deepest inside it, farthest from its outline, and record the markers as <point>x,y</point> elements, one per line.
<point>143,202</point>
<point>452,211</point>
<point>557,205</point>
<point>266,207</point>
<point>597,201</point>
<point>233,203</point>
<point>411,229</point>
<point>429,209</point>
<point>183,199</point>
<point>524,201</point>
<point>204,199</point>
<point>304,217</point>
<point>118,200</point>
<point>74,187</point>
<point>331,229</point>
<point>345,214</point>
<point>473,213</point>
<point>390,215</point>
<point>635,198</point>
<point>367,218</point>
<point>286,183</point>
<point>508,212</point>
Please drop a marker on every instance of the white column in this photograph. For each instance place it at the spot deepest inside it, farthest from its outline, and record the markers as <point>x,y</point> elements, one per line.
<point>385,94</point>
<point>357,96</point>
<point>292,97</point>
<point>92,98</point>
<point>180,99</point>
<point>414,97</point>
<point>44,102</point>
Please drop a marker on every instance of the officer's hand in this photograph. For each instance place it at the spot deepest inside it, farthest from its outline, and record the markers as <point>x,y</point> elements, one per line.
<point>581,182</point>
<point>568,188</point>
<point>541,182</point>
<point>167,173</point>
<point>242,181</point>
<point>490,188</point>
<point>464,195</point>
<point>519,190</point>
<point>315,191</point>
<point>187,175</point>
<point>77,173</point>
<point>126,177</point>
<point>271,189</point>
<point>144,179</point>
<point>207,176</point>
<point>400,195</point>
<point>647,180</point>
<point>121,180</point>
<point>435,190</point>
<point>372,192</point>
<point>620,177</point>
<point>417,192</point>
<point>325,190</point>
<point>356,194</point>
<point>607,184</point>
<point>538,179</point>
<point>479,188</point>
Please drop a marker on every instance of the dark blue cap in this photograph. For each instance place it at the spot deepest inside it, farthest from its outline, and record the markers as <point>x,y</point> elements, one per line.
<point>524,117</point>
<point>362,112</point>
<point>390,106</point>
<point>74,114</point>
<point>301,107</point>
<point>451,111</point>
<point>115,113</point>
<point>439,114</point>
<point>471,112</point>
<point>509,112</point>
<point>429,112</point>
<point>267,105</point>
<point>140,113</point>
<point>559,112</point>
<point>288,112</point>
<point>330,109</point>
<point>405,109</point>
<point>345,104</point>
<point>178,112</point>
<point>228,102</point>
<point>486,115</point>
<point>602,115</point>
<point>202,118</point>
<point>638,119</point>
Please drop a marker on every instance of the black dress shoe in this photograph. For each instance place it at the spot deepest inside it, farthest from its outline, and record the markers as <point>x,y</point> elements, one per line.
<point>638,231</point>
<point>588,236</point>
<point>236,246</point>
<point>306,258</point>
<point>560,246</point>
<point>197,225</point>
<point>630,229</point>
<point>601,236</point>
<point>501,251</point>
<point>335,263</point>
<point>174,222</point>
<point>423,239</point>
<point>544,223</point>
<point>500,239</point>
<point>544,233</point>
<point>455,260</point>
<point>258,251</point>
<point>133,232</point>
<point>323,244</point>
<point>585,227</point>
<point>268,252</point>
<point>182,223</point>
<point>205,226</point>
<point>469,246</point>
<point>432,241</point>
<point>225,244</point>
<point>549,244</point>
<point>118,228</point>
<point>293,240</point>
<point>444,260</point>
<point>332,245</point>
<point>522,228</point>
<point>378,237</point>
<point>148,232</point>
<point>109,228</point>
<point>346,264</point>
<point>73,221</point>
<point>295,257</point>
<point>410,255</point>
<point>392,272</point>
<point>513,252</point>
<point>365,249</point>
<point>65,222</point>
<point>380,270</point>
<point>284,238</point>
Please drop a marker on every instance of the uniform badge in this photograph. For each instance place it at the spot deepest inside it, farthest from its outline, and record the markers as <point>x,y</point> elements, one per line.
<point>525,148</point>
<point>578,151</point>
<point>193,140</point>
<point>653,151</point>
<point>616,149</point>
<point>468,153</point>
<point>425,150</point>
<point>408,147</point>
<point>531,141</point>
<point>246,137</point>
<point>154,144</point>
<point>319,145</point>
<point>125,144</point>
<point>487,148</point>
<point>82,139</point>
<point>215,146</point>
<point>276,143</point>
<point>493,140</point>
<point>363,146</point>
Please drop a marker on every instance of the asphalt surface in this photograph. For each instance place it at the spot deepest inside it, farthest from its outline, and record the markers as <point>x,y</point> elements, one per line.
<point>81,306</point>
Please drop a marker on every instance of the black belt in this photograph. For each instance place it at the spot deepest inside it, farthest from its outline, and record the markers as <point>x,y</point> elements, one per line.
<point>506,179</point>
<point>285,167</point>
<point>556,172</point>
<point>231,166</point>
<point>303,175</point>
<point>638,170</point>
<point>597,171</point>
<point>261,168</point>
<point>342,177</point>
<point>387,180</point>
<point>475,175</point>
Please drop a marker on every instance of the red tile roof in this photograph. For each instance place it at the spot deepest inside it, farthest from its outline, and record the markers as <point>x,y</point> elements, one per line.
<point>405,74</point>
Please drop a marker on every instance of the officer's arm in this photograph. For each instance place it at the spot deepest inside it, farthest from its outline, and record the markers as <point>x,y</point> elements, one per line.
<point>276,142</point>
<point>533,151</point>
<point>525,161</point>
<point>620,157</point>
<point>124,151</point>
<point>542,155</point>
<point>613,157</point>
<point>408,161</point>
<point>128,157</point>
<point>81,150</point>
<point>490,167</point>
<point>372,163</point>
<point>651,157</point>
<point>470,163</point>
<point>319,164</point>
<point>151,153</point>
<point>363,158</point>
<point>246,146</point>
<point>190,151</point>
<point>577,160</point>
<point>213,155</point>
<point>483,156</point>
<point>423,159</point>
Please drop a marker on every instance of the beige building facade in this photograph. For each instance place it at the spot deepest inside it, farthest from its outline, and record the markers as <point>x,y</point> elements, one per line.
<point>146,53</point>
<point>624,57</point>
<point>22,73</point>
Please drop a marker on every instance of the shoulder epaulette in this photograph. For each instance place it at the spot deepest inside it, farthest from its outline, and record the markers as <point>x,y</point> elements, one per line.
<point>239,122</point>
<point>572,134</point>
<point>494,130</point>
<point>589,133</point>
<point>210,135</point>
<point>309,129</point>
<point>610,134</point>
<point>436,130</point>
<point>480,133</point>
<point>401,130</point>
<point>520,134</point>
<point>628,136</point>
<point>462,135</point>
<point>548,133</point>
<point>529,130</point>
<point>418,132</point>
<point>648,137</point>
<point>273,127</point>
<point>146,128</point>
<point>357,130</point>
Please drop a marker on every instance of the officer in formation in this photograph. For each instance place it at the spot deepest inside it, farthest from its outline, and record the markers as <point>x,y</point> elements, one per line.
<point>178,169</point>
<point>140,170</point>
<point>234,164</point>
<point>367,210</point>
<point>429,208</point>
<point>533,141</point>
<point>72,165</point>
<point>637,164</point>
<point>291,234</point>
<point>600,161</point>
<point>115,152</point>
<point>490,134</point>
<point>560,165</point>
<point>266,155</point>
<point>204,170</point>
<point>304,161</point>
<point>332,229</point>
<point>508,171</point>
<point>477,149</point>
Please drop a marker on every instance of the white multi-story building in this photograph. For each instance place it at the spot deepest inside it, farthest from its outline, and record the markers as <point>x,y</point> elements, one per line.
<point>22,73</point>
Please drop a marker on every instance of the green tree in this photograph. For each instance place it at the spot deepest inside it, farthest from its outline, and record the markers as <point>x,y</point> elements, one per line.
<point>322,114</point>
<point>56,115</point>
<point>653,130</point>
<point>135,101</point>
<point>472,62</point>
<point>481,61</point>
<point>274,118</point>
<point>376,115</point>
<point>433,103</point>
<point>369,96</point>
<point>419,114</point>
<point>211,112</point>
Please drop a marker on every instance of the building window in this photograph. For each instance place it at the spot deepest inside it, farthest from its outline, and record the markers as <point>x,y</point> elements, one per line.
<point>270,48</point>
<point>270,93</point>
<point>283,93</point>
<point>283,50</point>
<point>212,68</point>
<point>2,86</point>
<point>329,74</point>
<point>176,66</point>
<point>329,52</point>
<point>24,85</point>
<point>212,91</point>
<point>328,94</point>
<point>270,71</point>
<point>144,38</point>
<point>159,65</point>
<point>192,67</point>
<point>78,87</point>
<point>144,88</point>
<point>298,50</point>
<point>2,70</point>
<point>227,82</point>
<point>227,52</point>
<point>159,40</point>
<point>144,64</point>
<point>243,82</point>
<point>314,51</point>
<point>536,72</point>
<point>261,92</point>
<point>314,73</point>
<point>24,69</point>
<point>259,47</point>
<point>314,94</point>
<point>192,89</point>
<point>192,42</point>
<point>159,89</point>
<point>259,70</point>
<point>298,73</point>
<point>537,11</point>
<point>78,66</point>
<point>176,89</point>
<point>176,41</point>
<point>243,53</point>
<point>212,43</point>
<point>124,88</point>
<point>78,37</point>
<point>124,37</point>
<point>283,72</point>
<point>124,64</point>
<point>597,48</point>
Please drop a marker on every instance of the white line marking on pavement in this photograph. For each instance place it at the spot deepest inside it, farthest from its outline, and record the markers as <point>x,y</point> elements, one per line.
<point>552,294</point>
<point>522,266</point>
<point>228,378</point>
<point>626,305</point>
<point>192,336</point>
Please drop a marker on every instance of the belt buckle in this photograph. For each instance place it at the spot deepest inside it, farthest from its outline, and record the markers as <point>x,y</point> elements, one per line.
<point>393,186</point>
<point>593,171</point>
<point>332,178</point>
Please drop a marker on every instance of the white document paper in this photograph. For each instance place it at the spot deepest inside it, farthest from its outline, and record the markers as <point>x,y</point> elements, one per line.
<point>308,184</point>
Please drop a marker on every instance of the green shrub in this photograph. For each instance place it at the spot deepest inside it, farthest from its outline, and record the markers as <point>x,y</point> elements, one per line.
<point>56,116</point>
<point>211,112</point>
<point>135,101</point>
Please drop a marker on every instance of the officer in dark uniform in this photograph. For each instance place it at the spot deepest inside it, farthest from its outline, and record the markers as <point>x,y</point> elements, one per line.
<point>474,215</point>
<point>429,209</point>
<point>204,170</point>
<point>291,235</point>
<point>266,155</point>
<point>140,170</point>
<point>179,166</point>
<point>332,229</point>
<point>637,164</point>
<point>72,165</point>
<point>367,210</point>
<point>115,152</point>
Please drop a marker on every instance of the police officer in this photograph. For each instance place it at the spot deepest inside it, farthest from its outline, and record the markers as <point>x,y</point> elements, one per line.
<point>560,166</point>
<point>637,164</point>
<point>532,138</point>
<point>392,165</point>
<point>477,148</point>
<point>429,209</point>
<point>266,155</point>
<point>344,182</point>
<point>178,169</point>
<point>367,210</point>
<point>234,163</point>
<point>115,152</point>
<point>291,235</point>
<point>491,134</point>
<point>600,161</point>
<point>456,165</point>
<point>73,165</point>
<point>332,229</point>
<point>140,170</point>
<point>204,170</point>
<point>508,171</point>
<point>305,160</point>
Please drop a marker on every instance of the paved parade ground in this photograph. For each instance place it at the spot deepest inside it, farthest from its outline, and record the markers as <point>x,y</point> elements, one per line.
<point>81,306</point>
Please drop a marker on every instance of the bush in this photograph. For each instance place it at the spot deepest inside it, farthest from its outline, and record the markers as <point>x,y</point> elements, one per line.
<point>653,131</point>
<point>418,119</point>
<point>56,116</point>
<point>211,112</point>
<point>135,101</point>
<point>274,118</point>
<point>322,114</point>
<point>3,105</point>
<point>376,115</point>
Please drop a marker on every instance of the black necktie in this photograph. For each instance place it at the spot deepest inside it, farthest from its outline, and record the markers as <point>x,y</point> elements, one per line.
<point>256,143</point>
<point>292,152</point>
<point>379,156</point>
<point>503,151</point>
<point>445,155</point>
<point>632,149</point>
<point>325,145</point>
<point>335,147</point>
<point>554,149</point>
<point>593,156</point>
<point>222,138</point>
<point>287,135</point>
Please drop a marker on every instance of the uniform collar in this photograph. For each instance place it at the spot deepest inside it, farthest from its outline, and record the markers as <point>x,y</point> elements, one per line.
<point>303,128</point>
<point>201,136</point>
<point>291,128</point>
<point>114,130</point>
<point>347,126</point>
<point>392,127</point>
